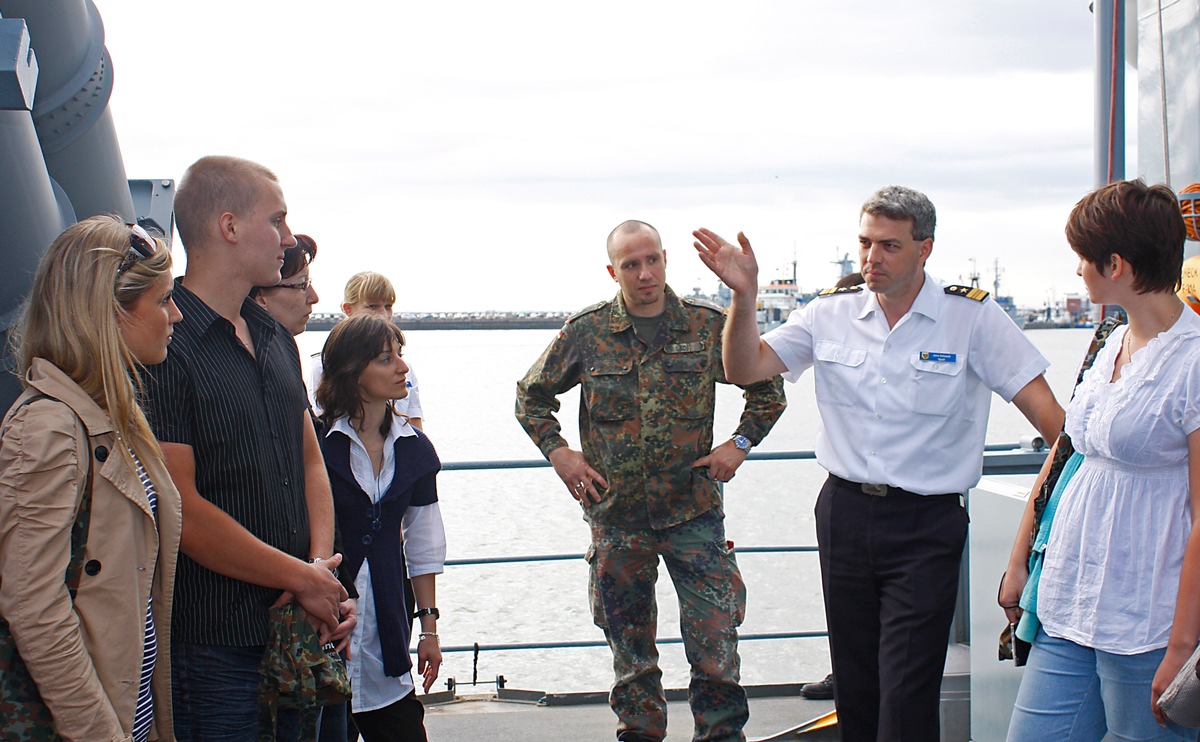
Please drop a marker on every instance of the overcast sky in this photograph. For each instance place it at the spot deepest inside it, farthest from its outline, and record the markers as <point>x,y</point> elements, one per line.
<point>478,153</point>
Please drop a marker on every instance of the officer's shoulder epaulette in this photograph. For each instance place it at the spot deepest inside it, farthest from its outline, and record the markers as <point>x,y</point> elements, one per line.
<point>587,310</point>
<point>705,303</point>
<point>842,290</point>
<point>967,292</point>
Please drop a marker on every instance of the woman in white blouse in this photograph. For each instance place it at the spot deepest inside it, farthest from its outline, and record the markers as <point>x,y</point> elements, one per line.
<point>384,478</point>
<point>1119,596</point>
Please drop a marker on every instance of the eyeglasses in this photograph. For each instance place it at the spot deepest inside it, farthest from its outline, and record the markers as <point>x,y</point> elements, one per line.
<point>302,286</point>
<point>141,246</point>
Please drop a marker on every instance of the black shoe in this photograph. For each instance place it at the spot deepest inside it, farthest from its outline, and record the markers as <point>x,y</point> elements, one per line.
<point>822,690</point>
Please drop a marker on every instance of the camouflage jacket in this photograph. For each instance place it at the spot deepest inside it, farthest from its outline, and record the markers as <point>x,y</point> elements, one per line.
<point>645,411</point>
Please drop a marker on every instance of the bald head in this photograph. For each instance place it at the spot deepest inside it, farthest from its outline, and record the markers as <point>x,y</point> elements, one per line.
<point>626,228</point>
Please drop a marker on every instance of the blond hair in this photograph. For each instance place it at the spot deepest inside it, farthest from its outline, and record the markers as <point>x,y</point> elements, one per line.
<point>369,286</point>
<point>212,186</point>
<point>72,319</point>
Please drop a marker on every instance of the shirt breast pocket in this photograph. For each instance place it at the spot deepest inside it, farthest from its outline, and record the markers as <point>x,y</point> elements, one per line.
<point>838,371</point>
<point>610,391</point>
<point>688,385</point>
<point>938,387</point>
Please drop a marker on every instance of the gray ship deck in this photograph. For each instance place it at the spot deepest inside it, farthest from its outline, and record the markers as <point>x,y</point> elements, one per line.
<point>483,719</point>
<point>775,712</point>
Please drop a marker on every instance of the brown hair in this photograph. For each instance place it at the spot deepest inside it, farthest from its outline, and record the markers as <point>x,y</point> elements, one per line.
<point>295,259</point>
<point>352,344</point>
<point>1143,224</point>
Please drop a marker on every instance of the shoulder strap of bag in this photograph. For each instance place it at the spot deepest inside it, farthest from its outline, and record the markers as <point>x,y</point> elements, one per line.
<point>1065,448</point>
<point>83,520</point>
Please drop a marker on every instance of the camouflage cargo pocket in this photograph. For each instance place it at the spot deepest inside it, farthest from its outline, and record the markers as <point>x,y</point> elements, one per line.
<point>736,584</point>
<point>594,599</point>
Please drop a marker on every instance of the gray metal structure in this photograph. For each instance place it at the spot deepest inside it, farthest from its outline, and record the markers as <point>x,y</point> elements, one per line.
<point>1168,62</point>
<point>59,153</point>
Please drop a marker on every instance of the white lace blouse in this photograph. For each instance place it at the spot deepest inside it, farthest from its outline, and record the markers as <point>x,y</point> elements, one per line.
<point>1111,574</point>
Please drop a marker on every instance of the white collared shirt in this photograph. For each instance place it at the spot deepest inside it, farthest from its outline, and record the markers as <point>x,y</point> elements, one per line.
<point>424,553</point>
<point>906,406</point>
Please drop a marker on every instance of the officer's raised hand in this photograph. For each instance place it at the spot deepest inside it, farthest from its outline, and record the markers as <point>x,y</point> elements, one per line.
<point>735,266</point>
<point>573,470</point>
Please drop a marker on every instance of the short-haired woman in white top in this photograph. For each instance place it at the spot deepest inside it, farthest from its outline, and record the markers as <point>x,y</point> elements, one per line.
<point>1119,596</point>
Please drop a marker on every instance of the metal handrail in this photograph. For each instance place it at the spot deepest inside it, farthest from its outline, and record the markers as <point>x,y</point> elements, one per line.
<point>999,458</point>
<point>802,455</point>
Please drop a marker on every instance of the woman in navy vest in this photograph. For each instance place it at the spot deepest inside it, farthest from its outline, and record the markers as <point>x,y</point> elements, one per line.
<point>384,477</point>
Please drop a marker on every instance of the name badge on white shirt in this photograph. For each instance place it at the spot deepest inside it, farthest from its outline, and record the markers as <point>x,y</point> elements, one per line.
<point>927,355</point>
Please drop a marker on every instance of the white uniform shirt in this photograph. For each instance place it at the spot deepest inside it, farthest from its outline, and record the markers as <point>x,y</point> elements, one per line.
<point>1111,576</point>
<point>410,406</point>
<point>424,553</point>
<point>906,406</point>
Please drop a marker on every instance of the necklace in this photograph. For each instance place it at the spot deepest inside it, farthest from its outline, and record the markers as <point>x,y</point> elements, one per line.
<point>1125,342</point>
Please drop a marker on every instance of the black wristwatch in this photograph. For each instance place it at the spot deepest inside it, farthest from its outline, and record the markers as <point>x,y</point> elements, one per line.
<point>427,612</point>
<point>742,442</point>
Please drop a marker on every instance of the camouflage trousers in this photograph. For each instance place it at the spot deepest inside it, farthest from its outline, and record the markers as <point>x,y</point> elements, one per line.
<point>712,604</point>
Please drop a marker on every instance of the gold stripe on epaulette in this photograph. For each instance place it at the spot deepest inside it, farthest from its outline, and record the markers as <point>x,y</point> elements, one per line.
<point>842,290</point>
<point>968,292</point>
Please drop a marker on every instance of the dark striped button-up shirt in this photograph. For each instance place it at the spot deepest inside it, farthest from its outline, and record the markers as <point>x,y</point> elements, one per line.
<point>243,416</point>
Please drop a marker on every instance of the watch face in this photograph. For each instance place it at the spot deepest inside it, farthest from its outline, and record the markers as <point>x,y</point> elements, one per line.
<point>742,442</point>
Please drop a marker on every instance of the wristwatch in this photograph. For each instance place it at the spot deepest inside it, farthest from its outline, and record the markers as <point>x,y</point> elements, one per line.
<point>427,612</point>
<point>742,442</point>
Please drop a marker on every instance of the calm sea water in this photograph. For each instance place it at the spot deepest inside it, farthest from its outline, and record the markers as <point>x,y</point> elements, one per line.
<point>468,381</point>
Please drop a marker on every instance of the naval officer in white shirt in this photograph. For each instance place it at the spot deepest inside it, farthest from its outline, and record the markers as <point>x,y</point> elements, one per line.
<point>904,370</point>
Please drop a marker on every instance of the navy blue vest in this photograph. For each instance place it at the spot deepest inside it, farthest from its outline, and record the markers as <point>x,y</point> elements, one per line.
<point>372,531</point>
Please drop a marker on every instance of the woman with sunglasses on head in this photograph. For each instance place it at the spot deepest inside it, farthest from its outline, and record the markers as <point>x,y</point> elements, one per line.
<point>77,455</point>
<point>1119,594</point>
<point>291,300</point>
<point>383,474</point>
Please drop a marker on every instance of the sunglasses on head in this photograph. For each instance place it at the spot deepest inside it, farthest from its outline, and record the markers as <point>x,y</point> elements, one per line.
<point>141,246</point>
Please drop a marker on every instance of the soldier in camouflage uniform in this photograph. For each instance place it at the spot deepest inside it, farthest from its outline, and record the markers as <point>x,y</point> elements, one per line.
<point>647,478</point>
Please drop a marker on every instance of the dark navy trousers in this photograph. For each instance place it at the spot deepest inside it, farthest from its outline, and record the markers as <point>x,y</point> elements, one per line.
<point>889,571</point>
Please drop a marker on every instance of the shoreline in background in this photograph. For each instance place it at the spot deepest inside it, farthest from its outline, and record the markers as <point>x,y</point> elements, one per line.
<point>323,322</point>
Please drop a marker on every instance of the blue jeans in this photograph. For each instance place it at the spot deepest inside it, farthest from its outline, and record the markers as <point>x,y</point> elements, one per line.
<point>215,693</point>
<point>1075,693</point>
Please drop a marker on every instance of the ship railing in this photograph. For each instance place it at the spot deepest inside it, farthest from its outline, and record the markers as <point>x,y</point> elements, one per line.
<point>1003,459</point>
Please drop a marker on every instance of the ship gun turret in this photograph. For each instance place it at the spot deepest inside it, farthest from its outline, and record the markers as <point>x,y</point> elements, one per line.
<point>59,154</point>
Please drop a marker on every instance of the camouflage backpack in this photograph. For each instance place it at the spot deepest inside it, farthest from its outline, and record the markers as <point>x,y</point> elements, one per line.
<point>23,715</point>
<point>296,672</point>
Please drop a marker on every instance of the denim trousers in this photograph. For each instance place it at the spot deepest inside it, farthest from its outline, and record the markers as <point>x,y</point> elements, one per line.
<point>1075,693</point>
<point>215,695</point>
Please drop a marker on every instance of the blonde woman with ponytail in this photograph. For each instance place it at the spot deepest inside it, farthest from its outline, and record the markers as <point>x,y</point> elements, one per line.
<point>97,660</point>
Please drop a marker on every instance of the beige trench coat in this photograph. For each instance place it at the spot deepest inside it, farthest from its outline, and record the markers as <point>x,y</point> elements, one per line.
<point>85,659</point>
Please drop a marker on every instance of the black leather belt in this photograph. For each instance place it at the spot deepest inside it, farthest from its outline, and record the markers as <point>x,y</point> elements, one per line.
<point>882,490</point>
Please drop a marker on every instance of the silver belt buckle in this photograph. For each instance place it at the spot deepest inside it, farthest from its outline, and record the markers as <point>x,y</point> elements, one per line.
<point>875,490</point>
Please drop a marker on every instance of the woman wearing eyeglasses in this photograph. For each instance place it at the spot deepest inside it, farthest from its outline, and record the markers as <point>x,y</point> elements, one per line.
<point>89,518</point>
<point>291,300</point>
<point>383,472</point>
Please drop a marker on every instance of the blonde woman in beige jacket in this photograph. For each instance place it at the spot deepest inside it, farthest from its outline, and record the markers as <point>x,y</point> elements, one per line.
<point>100,307</point>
